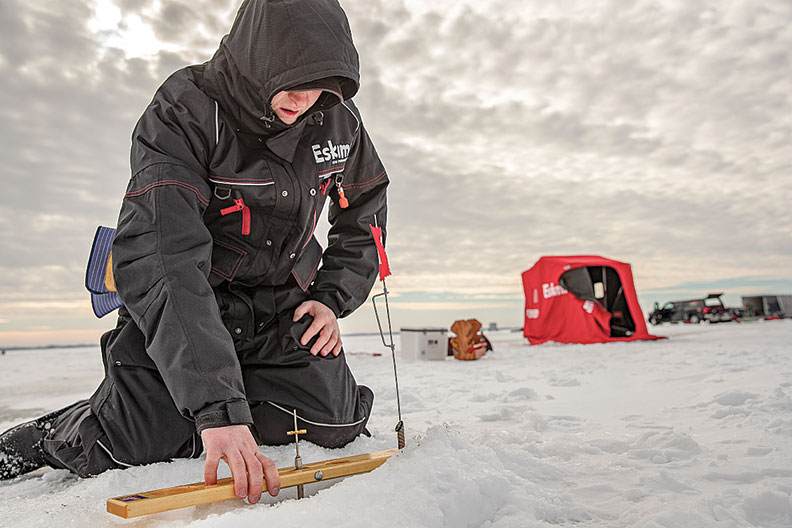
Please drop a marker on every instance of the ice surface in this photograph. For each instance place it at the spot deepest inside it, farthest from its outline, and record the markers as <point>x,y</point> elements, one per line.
<point>694,431</point>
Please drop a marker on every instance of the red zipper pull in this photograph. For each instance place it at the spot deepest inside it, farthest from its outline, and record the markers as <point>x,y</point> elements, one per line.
<point>342,200</point>
<point>239,205</point>
<point>245,218</point>
<point>324,185</point>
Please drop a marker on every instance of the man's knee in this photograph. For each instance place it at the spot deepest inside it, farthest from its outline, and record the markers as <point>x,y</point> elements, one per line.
<point>78,441</point>
<point>273,421</point>
<point>134,408</point>
<point>73,441</point>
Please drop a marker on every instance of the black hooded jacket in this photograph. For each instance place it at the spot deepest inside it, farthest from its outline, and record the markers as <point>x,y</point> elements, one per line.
<point>223,193</point>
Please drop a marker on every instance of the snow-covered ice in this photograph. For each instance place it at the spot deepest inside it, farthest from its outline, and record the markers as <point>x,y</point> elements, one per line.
<point>693,431</point>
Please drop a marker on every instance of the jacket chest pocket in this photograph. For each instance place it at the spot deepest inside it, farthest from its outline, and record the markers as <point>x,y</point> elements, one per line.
<point>241,204</point>
<point>237,216</point>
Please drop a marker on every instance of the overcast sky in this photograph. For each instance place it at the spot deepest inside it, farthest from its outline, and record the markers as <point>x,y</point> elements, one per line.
<point>658,133</point>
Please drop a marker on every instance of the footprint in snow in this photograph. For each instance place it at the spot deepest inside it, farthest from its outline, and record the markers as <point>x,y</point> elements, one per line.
<point>734,398</point>
<point>524,393</point>
<point>502,414</point>
<point>563,382</point>
<point>758,451</point>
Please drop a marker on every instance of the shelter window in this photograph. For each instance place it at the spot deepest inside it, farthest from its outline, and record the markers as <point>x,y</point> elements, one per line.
<point>601,284</point>
<point>599,290</point>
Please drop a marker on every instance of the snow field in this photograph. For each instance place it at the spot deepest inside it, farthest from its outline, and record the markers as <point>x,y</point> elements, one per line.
<point>693,431</point>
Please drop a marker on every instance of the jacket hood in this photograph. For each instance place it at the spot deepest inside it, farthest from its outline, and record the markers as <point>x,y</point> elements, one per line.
<point>274,45</point>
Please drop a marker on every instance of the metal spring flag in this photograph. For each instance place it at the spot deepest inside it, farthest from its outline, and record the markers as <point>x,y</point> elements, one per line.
<point>384,268</point>
<point>384,271</point>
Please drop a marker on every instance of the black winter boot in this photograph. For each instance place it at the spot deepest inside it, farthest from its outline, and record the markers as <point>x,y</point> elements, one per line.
<point>20,450</point>
<point>21,447</point>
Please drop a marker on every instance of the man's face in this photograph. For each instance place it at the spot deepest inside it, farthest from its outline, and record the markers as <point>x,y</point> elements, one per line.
<point>288,106</point>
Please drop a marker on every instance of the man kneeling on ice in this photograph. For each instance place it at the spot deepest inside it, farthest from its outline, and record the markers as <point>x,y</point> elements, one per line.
<point>229,324</point>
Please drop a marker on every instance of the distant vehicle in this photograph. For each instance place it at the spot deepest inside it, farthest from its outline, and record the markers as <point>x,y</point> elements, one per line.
<point>709,309</point>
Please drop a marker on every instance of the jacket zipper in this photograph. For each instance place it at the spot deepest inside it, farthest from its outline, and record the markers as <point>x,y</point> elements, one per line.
<point>342,200</point>
<point>239,205</point>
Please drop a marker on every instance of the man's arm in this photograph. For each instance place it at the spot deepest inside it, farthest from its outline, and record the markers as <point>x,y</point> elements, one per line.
<point>350,262</point>
<point>162,255</point>
<point>161,259</point>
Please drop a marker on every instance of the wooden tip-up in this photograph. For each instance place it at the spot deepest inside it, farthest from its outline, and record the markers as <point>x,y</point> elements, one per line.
<point>138,504</point>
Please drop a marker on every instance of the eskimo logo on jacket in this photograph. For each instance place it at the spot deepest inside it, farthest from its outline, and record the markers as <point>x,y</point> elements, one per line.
<point>334,153</point>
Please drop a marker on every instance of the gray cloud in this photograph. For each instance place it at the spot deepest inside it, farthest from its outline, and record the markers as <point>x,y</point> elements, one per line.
<point>658,134</point>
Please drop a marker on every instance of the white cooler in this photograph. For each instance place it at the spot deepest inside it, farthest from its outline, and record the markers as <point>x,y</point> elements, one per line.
<point>424,343</point>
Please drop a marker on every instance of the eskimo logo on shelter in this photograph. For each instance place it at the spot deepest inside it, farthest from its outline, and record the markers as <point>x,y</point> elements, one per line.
<point>553,290</point>
<point>334,153</point>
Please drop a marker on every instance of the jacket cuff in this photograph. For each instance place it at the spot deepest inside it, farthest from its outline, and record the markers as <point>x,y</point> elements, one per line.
<point>223,414</point>
<point>329,300</point>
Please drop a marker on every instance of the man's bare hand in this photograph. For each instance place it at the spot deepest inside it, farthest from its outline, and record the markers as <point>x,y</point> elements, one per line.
<point>235,445</point>
<point>324,323</point>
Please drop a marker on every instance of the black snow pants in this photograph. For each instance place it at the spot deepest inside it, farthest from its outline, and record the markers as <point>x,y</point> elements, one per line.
<point>132,420</point>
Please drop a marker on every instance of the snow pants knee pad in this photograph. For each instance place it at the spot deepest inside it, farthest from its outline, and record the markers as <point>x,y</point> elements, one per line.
<point>278,369</point>
<point>130,419</point>
<point>133,405</point>
<point>273,420</point>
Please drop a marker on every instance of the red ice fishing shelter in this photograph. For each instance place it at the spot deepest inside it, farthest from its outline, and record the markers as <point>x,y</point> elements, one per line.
<point>581,299</point>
